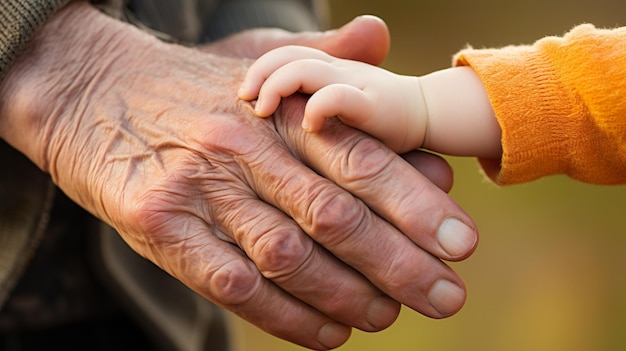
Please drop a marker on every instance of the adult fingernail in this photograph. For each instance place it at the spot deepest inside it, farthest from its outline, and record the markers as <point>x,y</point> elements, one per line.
<point>370,17</point>
<point>455,237</point>
<point>446,297</point>
<point>333,335</point>
<point>382,312</point>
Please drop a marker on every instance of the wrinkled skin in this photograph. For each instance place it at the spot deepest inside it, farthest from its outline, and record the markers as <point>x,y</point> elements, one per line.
<point>303,235</point>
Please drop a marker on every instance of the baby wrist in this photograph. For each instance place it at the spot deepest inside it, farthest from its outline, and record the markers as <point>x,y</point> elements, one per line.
<point>418,114</point>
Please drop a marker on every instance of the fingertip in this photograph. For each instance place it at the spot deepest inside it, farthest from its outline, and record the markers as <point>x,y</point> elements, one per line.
<point>247,91</point>
<point>243,94</point>
<point>382,312</point>
<point>244,90</point>
<point>456,238</point>
<point>446,297</point>
<point>375,20</point>
<point>261,109</point>
<point>306,126</point>
<point>310,127</point>
<point>361,32</point>
<point>369,18</point>
<point>333,335</point>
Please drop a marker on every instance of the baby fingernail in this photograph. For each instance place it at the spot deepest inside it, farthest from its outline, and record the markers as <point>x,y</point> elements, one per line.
<point>258,108</point>
<point>455,237</point>
<point>242,92</point>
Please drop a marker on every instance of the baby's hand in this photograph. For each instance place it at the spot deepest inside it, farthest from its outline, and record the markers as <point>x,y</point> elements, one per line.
<point>361,95</point>
<point>290,69</point>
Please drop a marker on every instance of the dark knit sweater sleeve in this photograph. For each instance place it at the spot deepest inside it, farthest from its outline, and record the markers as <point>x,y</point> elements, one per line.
<point>19,19</point>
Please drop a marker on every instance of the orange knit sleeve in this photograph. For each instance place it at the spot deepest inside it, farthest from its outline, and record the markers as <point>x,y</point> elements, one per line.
<point>561,103</point>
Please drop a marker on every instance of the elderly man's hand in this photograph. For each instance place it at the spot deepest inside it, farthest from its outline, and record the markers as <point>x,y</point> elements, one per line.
<point>305,236</point>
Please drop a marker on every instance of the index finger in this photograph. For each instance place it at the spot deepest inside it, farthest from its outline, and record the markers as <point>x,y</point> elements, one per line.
<point>418,219</point>
<point>392,188</point>
<point>262,68</point>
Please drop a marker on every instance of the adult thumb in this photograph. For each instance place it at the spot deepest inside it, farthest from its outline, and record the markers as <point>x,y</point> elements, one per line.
<point>365,38</point>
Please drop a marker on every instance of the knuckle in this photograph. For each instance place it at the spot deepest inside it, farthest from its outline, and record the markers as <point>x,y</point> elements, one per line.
<point>147,213</point>
<point>334,218</point>
<point>303,65</point>
<point>234,283</point>
<point>279,255</point>
<point>338,93</point>
<point>365,161</point>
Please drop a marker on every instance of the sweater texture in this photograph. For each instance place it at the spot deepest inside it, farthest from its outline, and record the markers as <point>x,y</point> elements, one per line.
<point>561,104</point>
<point>19,20</point>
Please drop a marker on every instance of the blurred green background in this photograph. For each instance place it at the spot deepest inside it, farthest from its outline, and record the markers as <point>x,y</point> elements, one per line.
<point>549,270</point>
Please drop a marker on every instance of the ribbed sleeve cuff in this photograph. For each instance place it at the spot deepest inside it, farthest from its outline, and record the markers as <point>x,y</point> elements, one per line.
<point>531,108</point>
<point>19,20</point>
<point>560,105</point>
